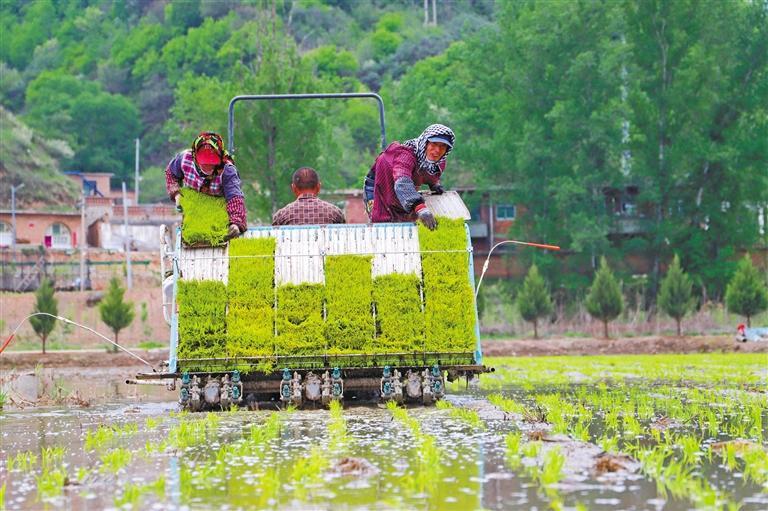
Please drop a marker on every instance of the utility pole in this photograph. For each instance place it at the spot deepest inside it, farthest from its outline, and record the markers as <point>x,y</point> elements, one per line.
<point>83,244</point>
<point>13,215</point>
<point>126,240</point>
<point>136,177</point>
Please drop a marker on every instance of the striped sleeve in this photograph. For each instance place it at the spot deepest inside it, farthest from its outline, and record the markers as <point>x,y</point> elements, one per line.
<point>237,213</point>
<point>173,176</point>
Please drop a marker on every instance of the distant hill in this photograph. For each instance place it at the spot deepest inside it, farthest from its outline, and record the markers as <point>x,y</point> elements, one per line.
<point>27,158</point>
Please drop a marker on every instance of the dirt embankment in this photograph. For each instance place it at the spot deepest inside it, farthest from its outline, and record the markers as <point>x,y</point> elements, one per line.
<point>496,348</point>
<point>625,345</point>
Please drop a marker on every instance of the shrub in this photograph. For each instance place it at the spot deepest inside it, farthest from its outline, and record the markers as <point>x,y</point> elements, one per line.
<point>746,293</point>
<point>44,302</point>
<point>448,297</point>
<point>533,301</point>
<point>675,297</point>
<point>202,318</point>
<point>205,218</point>
<point>116,313</point>
<point>399,319</point>
<point>604,301</point>
<point>251,296</point>
<point>299,320</point>
<point>349,324</point>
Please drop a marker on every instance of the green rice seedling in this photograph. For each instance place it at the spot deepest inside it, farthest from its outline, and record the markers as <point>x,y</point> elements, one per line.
<point>505,404</point>
<point>24,461</point>
<point>609,443</point>
<point>3,398</point>
<point>471,417</point>
<point>152,448</point>
<point>690,447</point>
<point>50,483</point>
<point>299,320</point>
<point>103,436</point>
<point>552,470</point>
<point>130,496</point>
<point>112,461</point>
<point>448,297</point>
<point>202,320</point>
<point>251,296</point>
<point>308,472</point>
<point>399,318</point>
<point>531,449</point>
<point>83,473</point>
<point>349,326</point>
<point>151,423</point>
<point>205,219</point>
<point>756,465</point>
<point>2,496</point>
<point>337,428</point>
<point>51,457</point>
<point>513,440</point>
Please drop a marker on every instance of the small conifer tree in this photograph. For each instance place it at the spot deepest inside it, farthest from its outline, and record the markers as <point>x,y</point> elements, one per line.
<point>604,301</point>
<point>115,312</point>
<point>533,301</point>
<point>675,297</point>
<point>45,302</point>
<point>746,293</point>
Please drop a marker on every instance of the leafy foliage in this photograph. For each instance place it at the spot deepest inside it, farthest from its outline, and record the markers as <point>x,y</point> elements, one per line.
<point>675,297</point>
<point>205,218</point>
<point>251,297</point>
<point>202,318</point>
<point>114,311</point>
<point>533,301</point>
<point>747,293</point>
<point>448,298</point>
<point>349,324</point>
<point>399,318</point>
<point>44,302</point>
<point>299,320</point>
<point>604,300</point>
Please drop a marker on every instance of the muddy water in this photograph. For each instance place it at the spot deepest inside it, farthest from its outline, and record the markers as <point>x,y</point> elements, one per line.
<point>471,472</point>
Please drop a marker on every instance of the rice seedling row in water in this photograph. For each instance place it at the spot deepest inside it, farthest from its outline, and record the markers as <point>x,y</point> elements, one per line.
<point>669,428</point>
<point>103,436</point>
<point>466,415</point>
<point>133,493</point>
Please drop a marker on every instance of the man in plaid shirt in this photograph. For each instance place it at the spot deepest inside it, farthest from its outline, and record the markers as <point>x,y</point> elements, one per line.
<point>307,209</point>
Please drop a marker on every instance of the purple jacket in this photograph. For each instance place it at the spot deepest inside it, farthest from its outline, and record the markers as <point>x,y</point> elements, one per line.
<point>396,178</point>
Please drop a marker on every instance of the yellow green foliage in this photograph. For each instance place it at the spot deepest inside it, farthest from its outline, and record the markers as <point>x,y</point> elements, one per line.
<point>399,319</point>
<point>205,218</point>
<point>251,295</point>
<point>202,320</point>
<point>349,324</point>
<point>300,320</point>
<point>448,297</point>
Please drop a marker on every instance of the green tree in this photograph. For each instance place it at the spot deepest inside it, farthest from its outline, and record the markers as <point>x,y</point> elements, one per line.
<point>604,300</point>
<point>675,297</point>
<point>747,293</point>
<point>534,301</point>
<point>47,303</point>
<point>114,311</point>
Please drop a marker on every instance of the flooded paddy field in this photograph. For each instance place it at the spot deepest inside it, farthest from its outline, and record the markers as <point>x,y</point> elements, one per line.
<point>612,432</point>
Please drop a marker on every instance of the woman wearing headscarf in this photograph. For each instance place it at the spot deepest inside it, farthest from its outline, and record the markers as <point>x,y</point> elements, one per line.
<point>208,168</point>
<point>391,185</point>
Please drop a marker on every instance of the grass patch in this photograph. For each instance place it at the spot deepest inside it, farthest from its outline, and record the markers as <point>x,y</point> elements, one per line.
<point>299,320</point>
<point>205,218</point>
<point>449,300</point>
<point>251,295</point>
<point>399,319</point>
<point>202,320</point>
<point>349,324</point>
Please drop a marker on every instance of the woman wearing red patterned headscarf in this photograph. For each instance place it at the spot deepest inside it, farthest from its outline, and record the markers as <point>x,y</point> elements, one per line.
<point>208,168</point>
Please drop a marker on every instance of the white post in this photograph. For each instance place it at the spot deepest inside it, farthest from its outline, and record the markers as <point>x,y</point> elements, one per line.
<point>13,215</point>
<point>126,240</point>
<point>82,241</point>
<point>136,177</point>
